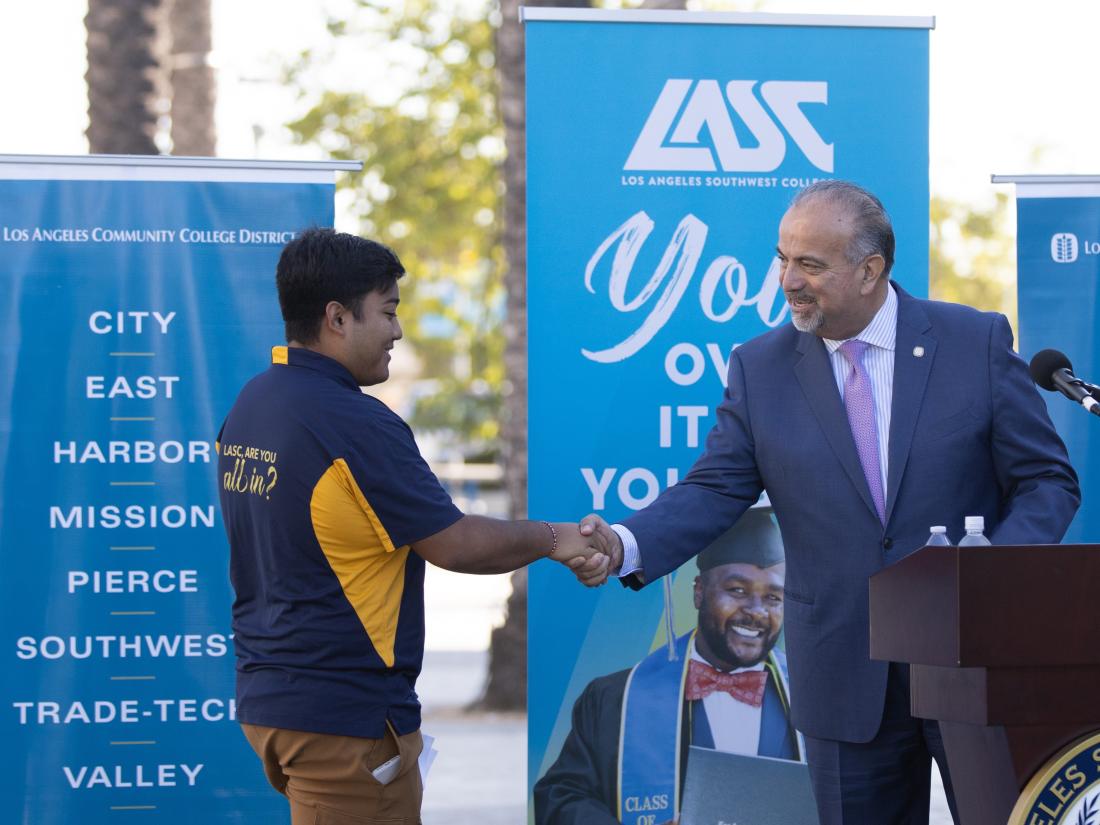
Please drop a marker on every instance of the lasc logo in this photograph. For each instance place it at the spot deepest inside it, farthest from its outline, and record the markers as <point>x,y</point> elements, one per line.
<point>1063,248</point>
<point>670,139</point>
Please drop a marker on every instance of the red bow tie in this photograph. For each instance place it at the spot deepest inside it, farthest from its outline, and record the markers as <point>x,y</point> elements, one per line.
<point>747,686</point>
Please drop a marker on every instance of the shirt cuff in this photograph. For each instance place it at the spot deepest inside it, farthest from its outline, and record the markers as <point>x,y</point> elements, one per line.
<point>632,561</point>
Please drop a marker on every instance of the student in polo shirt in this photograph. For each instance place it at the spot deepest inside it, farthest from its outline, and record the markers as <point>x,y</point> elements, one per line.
<point>331,515</point>
<point>626,751</point>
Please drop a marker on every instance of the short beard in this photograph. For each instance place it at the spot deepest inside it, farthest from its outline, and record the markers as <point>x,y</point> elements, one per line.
<point>808,323</point>
<point>715,639</point>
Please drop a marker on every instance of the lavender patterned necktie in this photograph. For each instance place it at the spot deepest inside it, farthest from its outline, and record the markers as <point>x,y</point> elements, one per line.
<point>861,418</point>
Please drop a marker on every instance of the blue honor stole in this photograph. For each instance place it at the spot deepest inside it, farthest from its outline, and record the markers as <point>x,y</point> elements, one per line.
<point>649,739</point>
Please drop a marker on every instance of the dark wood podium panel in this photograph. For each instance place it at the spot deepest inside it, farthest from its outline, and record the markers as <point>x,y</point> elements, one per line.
<point>1006,696</point>
<point>989,606</point>
<point>1004,648</point>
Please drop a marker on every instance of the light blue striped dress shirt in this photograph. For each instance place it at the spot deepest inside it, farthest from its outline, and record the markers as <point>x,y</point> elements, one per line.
<point>878,361</point>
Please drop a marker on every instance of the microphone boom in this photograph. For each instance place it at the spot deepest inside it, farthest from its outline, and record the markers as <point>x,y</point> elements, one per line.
<point>1052,371</point>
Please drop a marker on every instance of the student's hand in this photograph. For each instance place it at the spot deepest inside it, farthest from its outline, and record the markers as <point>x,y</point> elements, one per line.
<point>605,551</point>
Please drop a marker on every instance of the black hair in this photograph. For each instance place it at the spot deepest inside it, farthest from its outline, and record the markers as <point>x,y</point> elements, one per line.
<point>322,265</point>
<point>874,234</point>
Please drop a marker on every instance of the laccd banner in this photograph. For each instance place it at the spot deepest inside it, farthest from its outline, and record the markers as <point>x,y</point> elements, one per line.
<point>1058,290</point>
<point>138,300</point>
<point>662,150</point>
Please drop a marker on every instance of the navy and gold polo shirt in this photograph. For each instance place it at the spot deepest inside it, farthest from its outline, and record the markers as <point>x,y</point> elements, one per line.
<point>322,491</point>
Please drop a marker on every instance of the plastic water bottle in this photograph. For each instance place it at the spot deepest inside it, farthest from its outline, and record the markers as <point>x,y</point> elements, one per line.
<point>938,537</point>
<point>975,533</point>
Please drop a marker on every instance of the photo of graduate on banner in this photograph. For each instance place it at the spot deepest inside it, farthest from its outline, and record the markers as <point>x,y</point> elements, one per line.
<point>720,683</point>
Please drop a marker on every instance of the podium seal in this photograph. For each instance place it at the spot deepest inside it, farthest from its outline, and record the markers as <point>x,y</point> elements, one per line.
<point>1066,790</point>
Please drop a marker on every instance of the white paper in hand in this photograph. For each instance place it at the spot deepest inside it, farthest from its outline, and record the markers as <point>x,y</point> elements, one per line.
<point>427,756</point>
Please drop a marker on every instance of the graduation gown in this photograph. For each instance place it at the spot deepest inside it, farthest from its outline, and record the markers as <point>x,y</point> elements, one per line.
<point>580,788</point>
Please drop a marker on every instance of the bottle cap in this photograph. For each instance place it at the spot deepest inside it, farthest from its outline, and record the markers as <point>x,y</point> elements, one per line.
<point>939,528</point>
<point>975,523</point>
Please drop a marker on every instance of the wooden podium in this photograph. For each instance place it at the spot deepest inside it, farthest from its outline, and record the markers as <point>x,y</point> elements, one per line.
<point>1004,644</point>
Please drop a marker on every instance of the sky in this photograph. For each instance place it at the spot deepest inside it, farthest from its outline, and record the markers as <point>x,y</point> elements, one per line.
<point>1010,82</point>
<point>1009,88</point>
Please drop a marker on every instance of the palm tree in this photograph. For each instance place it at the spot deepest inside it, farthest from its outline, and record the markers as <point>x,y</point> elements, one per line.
<point>507,683</point>
<point>124,43</point>
<point>506,688</point>
<point>191,78</point>
<point>145,58</point>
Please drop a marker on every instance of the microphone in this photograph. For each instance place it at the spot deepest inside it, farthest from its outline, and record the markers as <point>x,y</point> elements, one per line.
<point>1052,371</point>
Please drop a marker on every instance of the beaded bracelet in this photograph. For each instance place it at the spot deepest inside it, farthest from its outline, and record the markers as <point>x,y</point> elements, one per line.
<point>554,535</point>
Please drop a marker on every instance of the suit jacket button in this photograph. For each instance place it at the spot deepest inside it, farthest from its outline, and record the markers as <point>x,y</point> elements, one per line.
<point>887,543</point>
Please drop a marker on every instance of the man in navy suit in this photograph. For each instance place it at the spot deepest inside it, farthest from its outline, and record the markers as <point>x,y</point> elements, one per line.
<point>726,689</point>
<point>870,417</point>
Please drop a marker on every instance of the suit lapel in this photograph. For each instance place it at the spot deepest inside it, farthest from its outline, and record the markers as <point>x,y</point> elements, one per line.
<point>776,736</point>
<point>910,380</point>
<point>701,736</point>
<point>815,374</point>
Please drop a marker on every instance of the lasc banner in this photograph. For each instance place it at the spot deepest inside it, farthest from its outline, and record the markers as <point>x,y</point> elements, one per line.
<point>1058,290</point>
<point>662,149</point>
<point>139,298</point>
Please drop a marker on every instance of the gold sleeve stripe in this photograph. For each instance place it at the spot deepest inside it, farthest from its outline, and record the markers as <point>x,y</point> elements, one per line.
<point>279,355</point>
<point>370,569</point>
<point>368,511</point>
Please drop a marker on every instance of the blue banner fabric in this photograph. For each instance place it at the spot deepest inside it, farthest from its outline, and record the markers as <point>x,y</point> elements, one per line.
<point>1058,291</point>
<point>661,157</point>
<point>134,311</point>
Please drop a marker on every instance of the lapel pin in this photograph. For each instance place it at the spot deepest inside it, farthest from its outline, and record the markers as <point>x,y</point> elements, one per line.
<point>918,352</point>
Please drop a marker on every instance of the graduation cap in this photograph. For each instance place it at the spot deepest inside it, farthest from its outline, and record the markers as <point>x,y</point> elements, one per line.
<point>753,539</point>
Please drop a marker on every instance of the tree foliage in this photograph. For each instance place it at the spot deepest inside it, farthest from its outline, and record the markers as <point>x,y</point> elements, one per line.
<point>430,188</point>
<point>973,254</point>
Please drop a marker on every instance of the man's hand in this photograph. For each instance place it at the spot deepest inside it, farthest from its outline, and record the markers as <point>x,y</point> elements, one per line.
<point>586,555</point>
<point>608,540</point>
<point>605,551</point>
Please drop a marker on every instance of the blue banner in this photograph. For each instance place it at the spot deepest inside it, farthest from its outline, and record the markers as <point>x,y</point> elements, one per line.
<point>1058,290</point>
<point>135,310</point>
<point>661,156</point>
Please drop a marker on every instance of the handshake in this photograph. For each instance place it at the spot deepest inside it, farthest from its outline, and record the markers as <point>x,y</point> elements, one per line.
<point>591,549</point>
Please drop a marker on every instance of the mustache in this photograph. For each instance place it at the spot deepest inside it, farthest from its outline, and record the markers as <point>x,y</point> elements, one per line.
<point>801,295</point>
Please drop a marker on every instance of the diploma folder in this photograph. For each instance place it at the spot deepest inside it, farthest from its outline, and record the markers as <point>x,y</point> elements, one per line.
<point>732,789</point>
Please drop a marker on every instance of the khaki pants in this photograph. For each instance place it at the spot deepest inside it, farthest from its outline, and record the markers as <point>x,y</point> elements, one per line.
<point>328,778</point>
